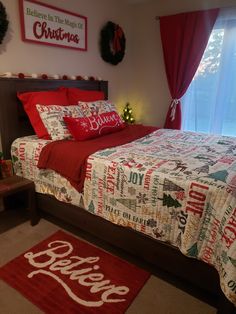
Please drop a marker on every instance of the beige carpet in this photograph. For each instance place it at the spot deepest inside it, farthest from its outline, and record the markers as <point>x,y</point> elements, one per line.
<point>156,297</point>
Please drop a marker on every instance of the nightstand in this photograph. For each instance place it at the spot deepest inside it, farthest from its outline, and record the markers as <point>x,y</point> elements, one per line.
<point>13,186</point>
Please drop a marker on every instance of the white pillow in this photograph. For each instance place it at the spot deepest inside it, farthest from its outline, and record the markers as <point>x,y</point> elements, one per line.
<point>52,118</point>
<point>96,107</point>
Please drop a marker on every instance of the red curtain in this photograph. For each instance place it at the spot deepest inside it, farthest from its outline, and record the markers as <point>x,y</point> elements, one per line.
<point>184,38</point>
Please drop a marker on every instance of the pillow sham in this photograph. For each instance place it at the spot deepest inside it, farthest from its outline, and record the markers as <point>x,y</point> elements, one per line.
<point>90,127</point>
<point>52,117</point>
<point>75,94</point>
<point>96,107</point>
<point>29,101</point>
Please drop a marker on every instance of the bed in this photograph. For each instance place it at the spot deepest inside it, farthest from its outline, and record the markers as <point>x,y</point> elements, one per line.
<point>14,124</point>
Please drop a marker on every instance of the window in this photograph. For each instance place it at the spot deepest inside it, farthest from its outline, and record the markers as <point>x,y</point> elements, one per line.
<point>209,104</point>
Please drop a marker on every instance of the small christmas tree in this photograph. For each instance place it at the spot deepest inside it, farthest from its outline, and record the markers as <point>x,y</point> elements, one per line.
<point>170,186</point>
<point>219,175</point>
<point>91,207</point>
<point>129,203</point>
<point>233,261</point>
<point>169,201</point>
<point>127,114</point>
<point>193,251</point>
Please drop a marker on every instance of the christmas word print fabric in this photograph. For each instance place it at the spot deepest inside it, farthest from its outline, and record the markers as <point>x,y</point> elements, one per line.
<point>25,153</point>
<point>178,187</point>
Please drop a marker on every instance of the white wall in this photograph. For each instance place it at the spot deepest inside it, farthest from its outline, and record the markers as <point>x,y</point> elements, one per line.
<point>19,56</point>
<point>140,78</point>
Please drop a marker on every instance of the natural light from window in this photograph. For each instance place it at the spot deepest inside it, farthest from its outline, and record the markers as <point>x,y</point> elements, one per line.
<point>209,104</point>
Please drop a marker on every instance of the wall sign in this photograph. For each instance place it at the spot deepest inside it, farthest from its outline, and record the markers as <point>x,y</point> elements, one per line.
<point>45,24</point>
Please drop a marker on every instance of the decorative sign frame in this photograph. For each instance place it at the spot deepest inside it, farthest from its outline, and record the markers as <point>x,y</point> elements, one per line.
<point>45,24</point>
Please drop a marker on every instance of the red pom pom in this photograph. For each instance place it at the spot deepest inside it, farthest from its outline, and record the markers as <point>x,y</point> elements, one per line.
<point>79,77</point>
<point>64,77</point>
<point>44,76</point>
<point>91,78</point>
<point>21,75</point>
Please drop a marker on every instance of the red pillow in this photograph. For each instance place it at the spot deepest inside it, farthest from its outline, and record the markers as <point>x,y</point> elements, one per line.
<point>75,95</point>
<point>89,127</point>
<point>31,99</point>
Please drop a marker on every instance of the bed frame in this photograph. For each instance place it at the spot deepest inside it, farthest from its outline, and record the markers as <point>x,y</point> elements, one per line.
<point>14,123</point>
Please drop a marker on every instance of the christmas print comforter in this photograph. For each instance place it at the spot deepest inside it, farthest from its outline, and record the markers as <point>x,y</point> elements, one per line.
<point>25,153</point>
<point>177,187</point>
<point>72,165</point>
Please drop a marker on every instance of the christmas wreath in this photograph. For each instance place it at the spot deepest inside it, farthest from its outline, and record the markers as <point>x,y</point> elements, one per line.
<point>112,43</point>
<point>3,22</point>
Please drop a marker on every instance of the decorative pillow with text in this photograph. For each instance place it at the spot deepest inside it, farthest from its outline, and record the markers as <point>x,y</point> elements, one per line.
<point>52,118</point>
<point>96,107</point>
<point>90,127</point>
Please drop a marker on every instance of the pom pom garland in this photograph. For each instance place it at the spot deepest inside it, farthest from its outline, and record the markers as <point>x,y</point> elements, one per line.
<point>21,75</point>
<point>45,76</point>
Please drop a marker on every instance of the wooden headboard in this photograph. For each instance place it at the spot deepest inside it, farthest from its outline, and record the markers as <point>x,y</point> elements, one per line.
<point>14,122</point>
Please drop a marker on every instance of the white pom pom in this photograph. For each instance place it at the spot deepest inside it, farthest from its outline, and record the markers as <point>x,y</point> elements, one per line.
<point>73,77</point>
<point>8,74</point>
<point>34,75</point>
<point>99,78</point>
<point>85,77</point>
<point>55,76</point>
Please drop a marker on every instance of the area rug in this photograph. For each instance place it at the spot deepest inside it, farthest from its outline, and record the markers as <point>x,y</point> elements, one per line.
<point>67,275</point>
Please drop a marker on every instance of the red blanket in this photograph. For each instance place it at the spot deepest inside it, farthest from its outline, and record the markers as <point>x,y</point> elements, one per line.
<point>68,157</point>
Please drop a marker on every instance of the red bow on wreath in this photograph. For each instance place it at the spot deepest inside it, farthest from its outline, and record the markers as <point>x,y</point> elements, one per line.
<point>116,40</point>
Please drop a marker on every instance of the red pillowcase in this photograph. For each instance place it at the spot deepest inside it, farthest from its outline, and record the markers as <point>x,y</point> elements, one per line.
<point>75,95</point>
<point>31,99</point>
<point>89,127</point>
